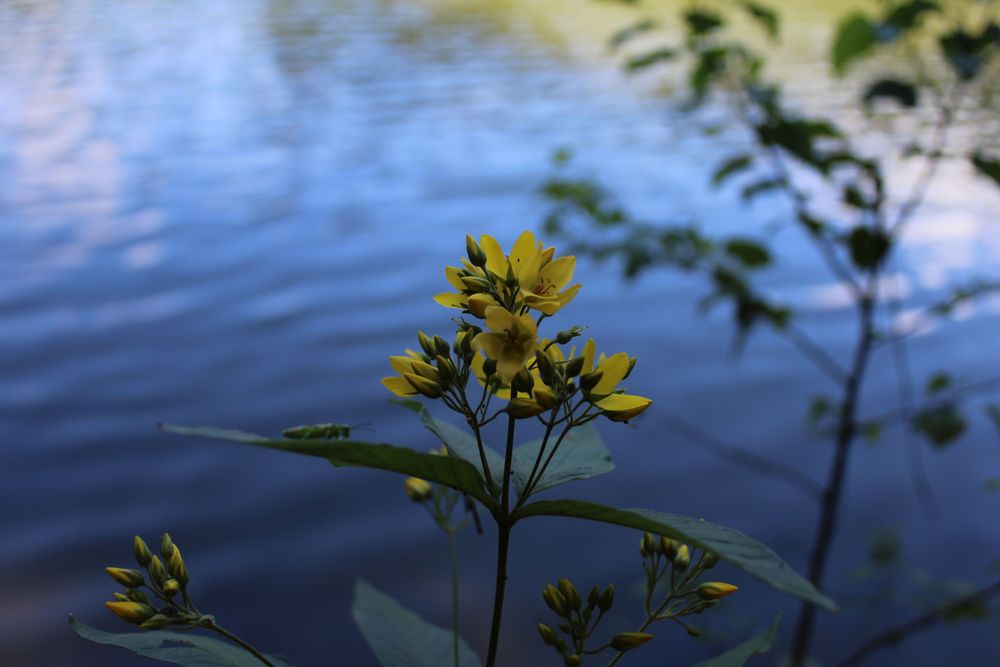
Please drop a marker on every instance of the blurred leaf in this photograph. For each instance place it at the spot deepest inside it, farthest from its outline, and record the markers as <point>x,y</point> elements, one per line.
<point>447,470</point>
<point>868,246</point>
<point>987,167</point>
<point>730,167</point>
<point>739,654</point>
<point>941,424</point>
<point>761,187</point>
<point>854,38</point>
<point>820,408</point>
<point>745,553</point>
<point>894,89</point>
<point>872,432</point>
<point>749,253</point>
<point>813,224</point>
<point>852,197</point>
<point>187,649</point>
<point>644,60</point>
<point>938,383</point>
<point>701,22</point>
<point>625,34</point>
<point>764,15</point>
<point>966,52</point>
<point>581,455</point>
<point>399,637</point>
<point>908,14</point>
<point>709,65</point>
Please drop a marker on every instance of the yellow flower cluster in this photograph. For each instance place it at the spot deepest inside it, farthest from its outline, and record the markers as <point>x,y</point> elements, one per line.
<point>508,357</point>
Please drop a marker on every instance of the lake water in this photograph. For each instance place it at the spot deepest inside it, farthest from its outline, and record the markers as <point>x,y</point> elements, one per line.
<point>233,212</point>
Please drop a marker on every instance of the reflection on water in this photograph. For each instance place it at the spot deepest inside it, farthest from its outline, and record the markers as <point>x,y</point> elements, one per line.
<point>232,212</point>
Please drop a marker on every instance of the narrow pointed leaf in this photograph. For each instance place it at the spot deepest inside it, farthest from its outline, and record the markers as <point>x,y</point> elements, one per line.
<point>738,655</point>
<point>581,455</point>
<point>399,637</point>
<point>187,649</point>
<point>744,552</point>
<point>446,470</point>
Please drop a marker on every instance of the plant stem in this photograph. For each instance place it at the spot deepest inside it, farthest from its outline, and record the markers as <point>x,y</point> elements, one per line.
<point>833,491</point>
<point>503,544</point>
<point>453,556</point>
<point>236,640</point>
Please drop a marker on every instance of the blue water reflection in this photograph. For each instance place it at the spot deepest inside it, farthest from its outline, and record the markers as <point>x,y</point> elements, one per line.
<point>233,212</point>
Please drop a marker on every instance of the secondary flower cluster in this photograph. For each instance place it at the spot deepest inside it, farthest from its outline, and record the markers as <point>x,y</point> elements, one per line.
<point>503,349</point>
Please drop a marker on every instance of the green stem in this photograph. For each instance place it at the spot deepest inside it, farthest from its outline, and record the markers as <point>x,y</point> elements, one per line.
<point>236,640</point>
<point>503,545</point>
<point>453,556</point>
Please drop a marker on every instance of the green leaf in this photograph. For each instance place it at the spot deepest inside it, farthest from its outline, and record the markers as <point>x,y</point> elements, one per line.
<point>908,14</point>
<point>761,187</point>
<point>730,167</point>
<point>581,455</point>
<point>739,654</point>
<point>710,64</point>
<point>938,383</point>
<point>766,16</point>
<point>400,638</point>
<point>987,167</point>
<point>941,424</point>
<point>458,442</point>
<point>745,553</point>
<point>868,246</point>
<point>855,37</point>
<point>901,91</point>
<point>628,33</point>
<point>644,60</point>
<point>188,649</point>
<point>702,22</point>
<point>447,470</point>
<point>967,53</point>
<point>749,253</point>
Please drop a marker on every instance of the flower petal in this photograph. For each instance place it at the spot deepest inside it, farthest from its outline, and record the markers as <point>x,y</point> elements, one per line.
<point>399,386</point>
<point>451,300</point>
<point>401,364</point>
<point>558,272</point>
<point>499,319</point>
<point>495,259</point>
<point>613,370</point>
<point>452,274</point>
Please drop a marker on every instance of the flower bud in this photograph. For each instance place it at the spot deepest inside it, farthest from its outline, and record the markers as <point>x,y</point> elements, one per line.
<point>572,660</point>
<point>156,621</point>
<point>490,367</point>
<point>697,607</point>
<point>133,612</point>
<point>417,489</point>
<point>549,635</point>
<point>476,255</point>
<point>425,370</point>
<point>546,369</point>
<point>555,600</point>
<point>121,597</point>
<point>523,408</point>
<point>446,369</point>
<point>166,546</point>
<point>544,397</point>
<point>566,336</point>
<point>142,552</point>
<point>157,572</point>
<point>426,344</point>
<point>574,366</point>
<point>668,547</point>
<point>683,558</point>
<point>569,592</point>
<point>594,596</point>
<point>136,596</point>
<point>607,598</point>
<point>476,284</point>
<point>589,380</point>
<point>479,302</point>
<point>177,567</point>
<point>709,560</point>
<point>126,577</point>
<point>693,631</point>
<point>441,347</point>
<point>626,641</point>
<point>715,590</point>
<point>522,382</point>
<point>422,385</point>
<point>171,587</point>
<point>647,546</point>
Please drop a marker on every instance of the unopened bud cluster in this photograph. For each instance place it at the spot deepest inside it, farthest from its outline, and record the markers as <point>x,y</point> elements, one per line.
<point>579,618</point>
<point>157,598</point>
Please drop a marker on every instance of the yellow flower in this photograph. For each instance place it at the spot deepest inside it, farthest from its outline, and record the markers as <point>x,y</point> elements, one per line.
<point>418,490</point>
<point>511,341</point>
<point>541,279</point>
<point>416,376</point>
<point>604,394</point>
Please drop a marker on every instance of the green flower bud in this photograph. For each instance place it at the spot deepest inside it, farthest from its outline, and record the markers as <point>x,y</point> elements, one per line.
<point>418,489</point>
<point>569,592</point>
<point>647,546</point>
<point>426,344</point>
<point>693,631</point>
<point>546,369</point>
<point>441,347</point>
<point>490,367</point>
<point>607,598</point>
<point>626,641</point>
<point>166,547</point>
<point>574,366</point>
<point>136,596</point>
<point>589,380</point>
<point>446,369</point>
<point>424,386</point>
<point>566,336</point>
<point>523,408</point>
<point>572,660</point>
<point>555,600</point>
<point>156,622</point>
<point>549,635</point>
<point>683,558</point>
<point>171,587</point>
<point>698,607</point>
<point>522,382</point>
<point>157,572</point>
<point>135,613</point>
<point>177,567</point>
<point>126,577</point>
<point>142,553</point>
<point>476,284</point>
<point>715,590</point>
<point>476,255</point>
<point>594,596</point>
<point>668,547</point>
<point>709,560</point>
<point>121,597</point>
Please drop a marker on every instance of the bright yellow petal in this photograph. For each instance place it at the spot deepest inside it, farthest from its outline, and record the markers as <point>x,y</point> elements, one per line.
<point>499,319</point>
<point>452,273</point>
<point>495,259</point>
<point>508,367</point>
<point>399,386</point>
<point>401,364</point>
<point>489,343</point>
<point>478,303</point>
<point>558,272</point>
<point>613,370</point>
<point>451,300</point>
<point>622,407</point>
<point>589,350</point>
<point>568,295</point>
<point>547,304</point>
